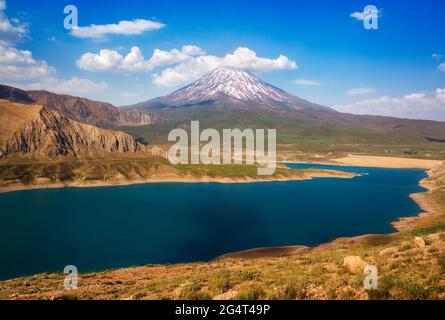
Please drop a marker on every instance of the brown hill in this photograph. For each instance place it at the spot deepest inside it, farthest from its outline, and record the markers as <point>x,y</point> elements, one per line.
<point>37,131</point>
<point>100,114</point>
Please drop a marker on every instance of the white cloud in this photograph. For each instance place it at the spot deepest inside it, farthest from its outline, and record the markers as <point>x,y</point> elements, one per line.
<point>442,67</point>
<point>161,57</point>
<point>437,56</point>
<point>106,60</point>
<point>16,65</point>
<point>112,60</point>
<point>18,68</point>
<point>134,27</point>
<point>360,91</point>
<point>415,96</point>
<point>245,58</point>
<point>305,82</point>
<point>11,30</point>
<point>186,71</point>
<point>190,62</point>
<point>414,106</point>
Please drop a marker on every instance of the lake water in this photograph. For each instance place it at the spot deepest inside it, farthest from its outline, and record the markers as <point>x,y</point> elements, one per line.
<point>102,228</point>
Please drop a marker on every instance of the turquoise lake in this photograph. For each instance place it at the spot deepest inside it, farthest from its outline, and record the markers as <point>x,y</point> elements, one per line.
<point>109,227</point>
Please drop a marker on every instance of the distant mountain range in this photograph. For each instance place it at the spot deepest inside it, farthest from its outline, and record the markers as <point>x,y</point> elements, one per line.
<point>84,110</point>
<point>230,97</point>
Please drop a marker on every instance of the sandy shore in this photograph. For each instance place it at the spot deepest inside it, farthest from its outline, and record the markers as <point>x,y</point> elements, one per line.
<point>18,186</point>
<point>378,162</point>
<point>387,162</point>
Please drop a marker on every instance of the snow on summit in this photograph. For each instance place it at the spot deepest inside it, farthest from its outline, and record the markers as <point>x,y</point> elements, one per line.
<point>232,82</point>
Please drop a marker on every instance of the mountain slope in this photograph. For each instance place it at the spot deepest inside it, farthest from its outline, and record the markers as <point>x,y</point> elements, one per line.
<point>36,131</point>
<point>84,110</point>
<point>232,87</point>
<point>14,94</point>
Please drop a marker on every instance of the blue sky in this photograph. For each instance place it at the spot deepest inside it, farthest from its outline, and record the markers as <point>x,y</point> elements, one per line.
<point>328,56</point>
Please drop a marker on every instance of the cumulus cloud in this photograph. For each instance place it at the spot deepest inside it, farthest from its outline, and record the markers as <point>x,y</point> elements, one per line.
<point>414,106</point>
<point>134,27</point>
<point>18,68</point>
<point>187,71</point>
<point>106,60</point>
<point>112,60</point>
<point>437,56</point>
<point>305,82</point>
<point>245,58</point>
<point>11,30</point>
<point>16,65</point>
<point>360,91</point>
<point>187,64</point>
<point>442,67</point>
<point>161,57</point>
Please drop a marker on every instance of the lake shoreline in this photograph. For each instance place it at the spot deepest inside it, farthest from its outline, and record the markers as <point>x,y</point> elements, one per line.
<point>269,252</point>
<point>427,209</point>
<point>178,179</point>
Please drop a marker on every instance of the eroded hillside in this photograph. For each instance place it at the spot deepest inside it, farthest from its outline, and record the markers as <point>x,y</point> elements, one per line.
<point>37,131</point>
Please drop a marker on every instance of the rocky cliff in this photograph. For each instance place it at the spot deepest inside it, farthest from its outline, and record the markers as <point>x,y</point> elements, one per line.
<point>437,177</point>
<point>41,132</point>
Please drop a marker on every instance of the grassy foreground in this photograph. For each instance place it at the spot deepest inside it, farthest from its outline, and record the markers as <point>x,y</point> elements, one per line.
<point>411,265</point>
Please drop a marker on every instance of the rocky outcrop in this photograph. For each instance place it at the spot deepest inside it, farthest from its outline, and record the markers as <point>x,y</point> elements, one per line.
<point>41,132</point>
<point>134,118</point>
<point>436,177</point>
<point>418,242</point>
<point>354,264</point>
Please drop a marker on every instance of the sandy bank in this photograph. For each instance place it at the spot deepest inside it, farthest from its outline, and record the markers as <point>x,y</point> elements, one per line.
<point>377,162</point>
<point>387,162</point>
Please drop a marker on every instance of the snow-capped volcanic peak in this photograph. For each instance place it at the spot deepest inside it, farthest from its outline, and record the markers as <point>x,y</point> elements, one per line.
<point>232,82</point>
